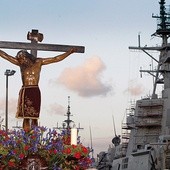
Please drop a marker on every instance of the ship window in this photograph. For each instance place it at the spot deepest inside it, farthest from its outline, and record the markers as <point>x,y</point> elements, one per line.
<point>125,163</point>
<point>139,146</point>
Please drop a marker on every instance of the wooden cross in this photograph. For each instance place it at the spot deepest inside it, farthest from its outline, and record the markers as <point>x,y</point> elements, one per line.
<point>34,46</point>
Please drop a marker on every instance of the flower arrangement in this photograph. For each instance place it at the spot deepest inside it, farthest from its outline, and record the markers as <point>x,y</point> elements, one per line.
<point>76,157</point>
<point>16,145</point>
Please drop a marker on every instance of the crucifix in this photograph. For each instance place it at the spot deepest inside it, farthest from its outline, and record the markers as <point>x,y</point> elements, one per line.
<point>36,37</point>
<point>30,65</point>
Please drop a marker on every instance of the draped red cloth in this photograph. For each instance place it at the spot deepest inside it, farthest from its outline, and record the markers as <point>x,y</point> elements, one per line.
<point>29,102</point>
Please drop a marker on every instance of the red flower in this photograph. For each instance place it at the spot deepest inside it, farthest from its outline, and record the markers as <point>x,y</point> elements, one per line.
<point>67,151</point>
<point>3,133</point>
<point>77,155</point>
<point>55,151</point>
<point>85,150</point>
<point>74,146</point>
<point>21,156</point>
<point>11,164</point>
<point>26,147</point>
<point>6,138</point>
<point>33,137</point>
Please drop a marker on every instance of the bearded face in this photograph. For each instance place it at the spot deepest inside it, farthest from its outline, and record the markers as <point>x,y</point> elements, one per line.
<point>25,59</point>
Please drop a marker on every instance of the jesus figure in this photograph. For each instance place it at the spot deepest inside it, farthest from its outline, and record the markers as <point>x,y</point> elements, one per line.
<point>29,96</point>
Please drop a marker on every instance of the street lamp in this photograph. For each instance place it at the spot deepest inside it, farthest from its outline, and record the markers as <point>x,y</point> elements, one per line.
<point>7,74</point>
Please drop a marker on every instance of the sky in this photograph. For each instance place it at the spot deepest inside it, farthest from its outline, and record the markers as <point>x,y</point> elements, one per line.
<point>102,82</point>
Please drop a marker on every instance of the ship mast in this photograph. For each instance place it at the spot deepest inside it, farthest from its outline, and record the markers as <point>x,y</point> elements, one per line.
<point>68,121</point>
<point>163,31</point>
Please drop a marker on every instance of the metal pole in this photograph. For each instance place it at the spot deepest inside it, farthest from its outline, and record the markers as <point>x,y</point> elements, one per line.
<point>6,110</point>
<point>7,74</point>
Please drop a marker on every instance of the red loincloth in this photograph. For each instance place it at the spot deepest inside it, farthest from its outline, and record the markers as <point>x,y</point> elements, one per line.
<point>29,102</point>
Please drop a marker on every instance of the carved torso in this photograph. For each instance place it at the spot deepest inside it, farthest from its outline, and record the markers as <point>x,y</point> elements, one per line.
<point>31,74</point>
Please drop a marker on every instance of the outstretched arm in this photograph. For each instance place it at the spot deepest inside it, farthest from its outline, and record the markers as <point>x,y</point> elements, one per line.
<point>8,57</point>
<point>57,58</point>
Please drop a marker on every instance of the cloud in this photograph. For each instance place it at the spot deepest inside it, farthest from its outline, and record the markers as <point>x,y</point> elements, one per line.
<point>12,106</point>
<point>56,109</point>
<point>135,89</point>
<point>86,79</point>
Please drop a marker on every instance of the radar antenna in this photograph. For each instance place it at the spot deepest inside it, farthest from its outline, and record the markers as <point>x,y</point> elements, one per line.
<point>163,26</point>
<point>116,140</point>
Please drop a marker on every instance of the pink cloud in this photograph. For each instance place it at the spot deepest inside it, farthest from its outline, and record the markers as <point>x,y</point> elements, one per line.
<point>86,79</point>
<point>135,89</point>
<point>56,109</point>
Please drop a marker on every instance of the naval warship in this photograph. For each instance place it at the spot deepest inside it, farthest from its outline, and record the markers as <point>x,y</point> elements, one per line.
<point>145,140</point>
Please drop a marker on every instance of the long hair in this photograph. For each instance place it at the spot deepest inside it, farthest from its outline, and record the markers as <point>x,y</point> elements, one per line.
<point>27,55</point>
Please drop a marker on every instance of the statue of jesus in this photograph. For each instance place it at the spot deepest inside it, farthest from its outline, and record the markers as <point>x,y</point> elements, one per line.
<point>29,96</point>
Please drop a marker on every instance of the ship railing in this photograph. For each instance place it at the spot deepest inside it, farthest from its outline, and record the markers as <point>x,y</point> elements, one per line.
<point>127,126</point>
<point>150,103</point>
<point>126,135</point>
<point>124,144</point>
<point>151,114</point>
<point>148,122</point>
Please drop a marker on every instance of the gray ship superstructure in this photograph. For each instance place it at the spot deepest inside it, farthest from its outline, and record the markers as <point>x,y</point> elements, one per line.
<point>145,139</point>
